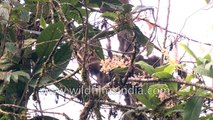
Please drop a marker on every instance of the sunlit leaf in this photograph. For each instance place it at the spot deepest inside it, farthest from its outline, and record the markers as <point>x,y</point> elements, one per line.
<point>207,117</point>
<point>189,77</point>
<point>170,69</point>
<point>161,68</point>
<point>203,93</point>
<point>162,75</point>
<point>172,86</point>
<point>207,57</point>
<point>43,23</point>
<point>193,108</point>
<point>190,52</point>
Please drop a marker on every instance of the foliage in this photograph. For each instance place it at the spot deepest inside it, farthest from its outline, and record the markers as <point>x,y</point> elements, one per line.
<point>35,50</point>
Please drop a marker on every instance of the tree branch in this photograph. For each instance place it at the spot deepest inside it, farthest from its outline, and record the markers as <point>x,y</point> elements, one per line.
<point>180,81</point>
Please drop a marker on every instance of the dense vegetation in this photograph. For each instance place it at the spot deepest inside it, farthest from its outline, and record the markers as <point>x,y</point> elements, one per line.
<point>40,37</point>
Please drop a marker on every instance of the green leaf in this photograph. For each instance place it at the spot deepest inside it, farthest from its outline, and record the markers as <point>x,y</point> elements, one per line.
<point>127,8</point>
<point>15,75</point>
<point>208,117</point>
<point>193,108</point>
<point>203,93</point>
<point>146,99</point>
<point>11,47</point>
<point>99,51</point>
<point>189,77</point>
<point>24,15</point>
<point>45,42</point>
<point>207,57</point>
<point>162,75</point>
<point>156,88</point>
<point>149,48</point>
<point>109,15</point>
<point>120,70</point>
<point>43,23</point>
<point>172,86</point>
<point>140,37</point>
<point>63,55</point>
<point>201,70</point>
<point>74,2</point>
<point>61,60</point>
<point>160,68</point>
<point>148,68</point>
<point>112,6</point>
<point>190,52</point>
<point>169,69</point>
<point>12,34</point>
<point>70,86</point>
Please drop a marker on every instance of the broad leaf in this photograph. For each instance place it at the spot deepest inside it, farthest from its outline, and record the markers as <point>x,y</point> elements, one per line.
<point>146,99</point>
<point>162,75</point>
<point>61,60</point>
<point>193,108</point>
<point>70,86</point>
<point>120,70</point>
<point>74,2</point>
<point>160,68</point>
<point>47,39</point>
<point>170,69</point>
<point>189,77</point>
<point>148,68</point>
<point>203,71</point>
<point>109,15</point>
<point>15,75</point>
<point>207,57</point>
<point>99,51</point>
<point>157,88</point>
<point>140,37</point>
<point>113,7</point>
<point>190,52</point>
<point>149,48</point>
<point>43,23</point>
<point>127,8</point>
